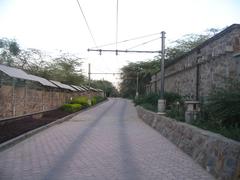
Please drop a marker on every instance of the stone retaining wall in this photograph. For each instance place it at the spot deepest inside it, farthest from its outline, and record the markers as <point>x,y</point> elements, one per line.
<point>220,156</point>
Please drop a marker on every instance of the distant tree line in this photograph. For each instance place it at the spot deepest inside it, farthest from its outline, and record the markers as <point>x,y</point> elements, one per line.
<point>64,67</point>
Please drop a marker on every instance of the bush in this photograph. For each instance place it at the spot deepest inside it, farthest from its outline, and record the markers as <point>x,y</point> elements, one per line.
<point>93,101</point>
<point>172,99</point>
<point>232,132</point>
<point>149,107</point>
<point>176,112</point>
<point>223,106</point>
<point>97,99</point>
<point>151,98</point>
<point>174,104</point>
<point>83,100</point>
<point>221,112</point>
<point>71,107</point>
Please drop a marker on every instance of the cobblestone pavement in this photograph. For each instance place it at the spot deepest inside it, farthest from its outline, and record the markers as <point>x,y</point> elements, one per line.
<point>107,142</point>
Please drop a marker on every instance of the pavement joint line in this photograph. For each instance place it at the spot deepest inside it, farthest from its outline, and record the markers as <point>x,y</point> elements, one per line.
<point>22,137</point>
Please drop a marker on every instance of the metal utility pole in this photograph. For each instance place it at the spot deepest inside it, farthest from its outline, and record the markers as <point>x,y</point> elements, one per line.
<point>162,65</point>
<point>161,101</point>
<point>137,93</point>
<point>89,74</point>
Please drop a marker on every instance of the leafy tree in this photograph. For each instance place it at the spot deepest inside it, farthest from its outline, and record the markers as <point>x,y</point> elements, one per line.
<point>144,70</point>
<point>34,61</point>
<point>106,86</point>
<point>147,68</point>
<point>9,50</point>
<point>187,43</point>
<point>65,68</point>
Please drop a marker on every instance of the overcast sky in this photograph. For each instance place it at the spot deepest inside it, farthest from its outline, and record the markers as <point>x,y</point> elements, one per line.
<point>54,25</point>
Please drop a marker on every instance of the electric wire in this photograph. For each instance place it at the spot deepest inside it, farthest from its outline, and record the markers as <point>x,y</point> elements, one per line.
<point>143,43</point>
<point>127,40</point>
<point>87,23</point>
<point>117,25</point>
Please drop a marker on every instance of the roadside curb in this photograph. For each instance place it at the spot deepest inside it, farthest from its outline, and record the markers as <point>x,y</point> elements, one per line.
<point>24,136</point>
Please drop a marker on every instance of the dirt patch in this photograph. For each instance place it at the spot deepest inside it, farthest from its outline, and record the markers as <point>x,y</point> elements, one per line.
<point>18,126</point>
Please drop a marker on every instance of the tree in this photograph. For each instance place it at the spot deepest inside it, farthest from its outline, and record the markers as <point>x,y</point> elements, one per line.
<point>66,68</point>
<point>106,86</point>
<point>187,43</point>
<point>9,50</point>
<point>34,61</point>
<point>144,70</point>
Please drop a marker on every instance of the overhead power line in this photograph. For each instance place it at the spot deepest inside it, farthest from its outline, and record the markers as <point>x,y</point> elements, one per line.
<point>143,43</point>
<point>87,23</point>
<point>127,40</point>
<point>107,73</point>
<point>117,25</point>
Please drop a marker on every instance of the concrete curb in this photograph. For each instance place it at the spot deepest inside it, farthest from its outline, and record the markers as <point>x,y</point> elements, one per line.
<point>14,141</point>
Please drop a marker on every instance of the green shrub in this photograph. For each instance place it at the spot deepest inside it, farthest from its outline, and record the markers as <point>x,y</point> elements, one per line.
<point>83,100</point>
<point>221,112</point>
<point>172,99</point>
<point>151,98</point>
<point>93,101</point>
<point>97,99</point>
<point>149,107</point>
<point>71,107</point>
<point>174,104</point>
<point>232,132</point>
<point>100,98</point>
<point>223,106</point>
<point>176,112</point>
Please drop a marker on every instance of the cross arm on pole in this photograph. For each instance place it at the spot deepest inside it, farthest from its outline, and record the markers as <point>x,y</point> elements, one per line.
<point>107,73</point>
<point>123,51</point>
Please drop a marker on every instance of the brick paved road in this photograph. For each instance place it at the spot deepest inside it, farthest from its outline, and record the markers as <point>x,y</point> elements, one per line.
<point>106,142</point>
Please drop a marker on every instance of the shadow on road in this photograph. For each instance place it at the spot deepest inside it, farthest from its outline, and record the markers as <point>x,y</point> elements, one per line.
<point>60,165</point>
<point>129,163</point>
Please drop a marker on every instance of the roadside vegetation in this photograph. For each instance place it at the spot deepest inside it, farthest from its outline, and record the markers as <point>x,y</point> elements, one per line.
<point>174,104</point>
<point>81,102</point>
<point>220,113</point>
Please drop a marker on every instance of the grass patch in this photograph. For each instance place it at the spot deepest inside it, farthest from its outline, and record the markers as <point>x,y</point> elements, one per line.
<point>71,107</point>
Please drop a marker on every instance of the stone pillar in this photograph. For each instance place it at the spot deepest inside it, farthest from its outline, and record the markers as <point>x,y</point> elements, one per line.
<point>192,111</point>
<point>161,106</point>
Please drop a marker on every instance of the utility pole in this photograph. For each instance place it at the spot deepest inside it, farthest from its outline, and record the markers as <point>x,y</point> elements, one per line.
<point>89,74</point>
<point>162,101</point>
<point>137,93</point>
